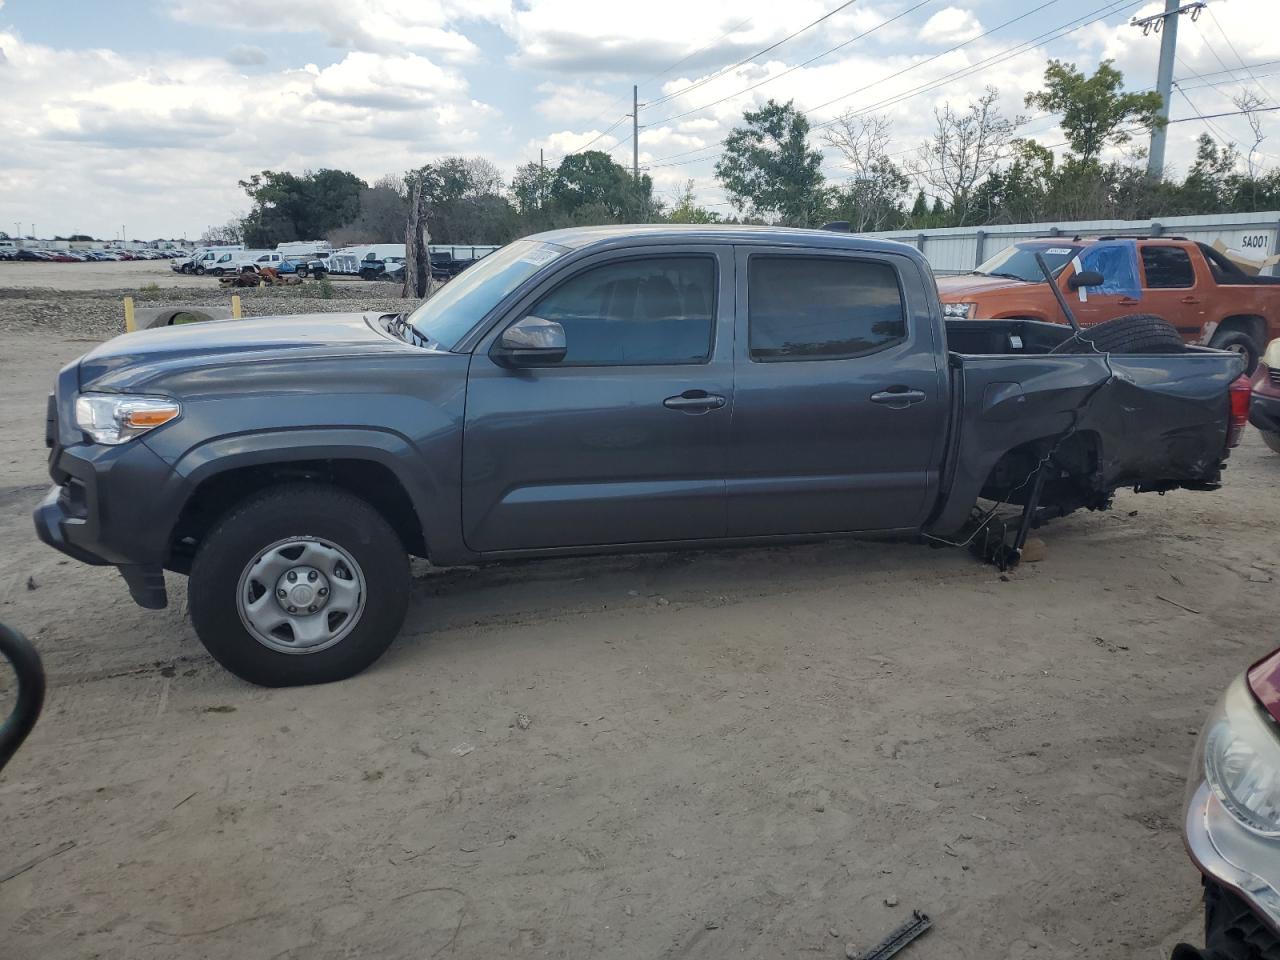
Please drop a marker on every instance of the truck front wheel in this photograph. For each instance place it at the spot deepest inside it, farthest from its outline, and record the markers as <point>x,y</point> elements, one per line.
<point>301,583</point>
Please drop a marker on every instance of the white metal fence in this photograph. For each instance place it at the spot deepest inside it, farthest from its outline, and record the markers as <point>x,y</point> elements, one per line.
<point>1251,237</point>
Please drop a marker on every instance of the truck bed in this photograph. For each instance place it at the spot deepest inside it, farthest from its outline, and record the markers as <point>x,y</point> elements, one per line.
<point>1150,421</point>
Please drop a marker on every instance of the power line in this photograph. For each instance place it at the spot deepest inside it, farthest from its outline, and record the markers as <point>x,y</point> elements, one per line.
<point>779,76</point>
<point>1214,18</point>
<point>759,53</point>
<point>706,46</point>
<point>1071,26</point>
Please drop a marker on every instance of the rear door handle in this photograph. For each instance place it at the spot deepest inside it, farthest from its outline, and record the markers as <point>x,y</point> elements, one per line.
<point>694,401</point>
<point>1190,300</point>
<point>898,397</point>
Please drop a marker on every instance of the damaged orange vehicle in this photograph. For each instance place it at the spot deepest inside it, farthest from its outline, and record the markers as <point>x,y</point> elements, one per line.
<point>1204,294</point>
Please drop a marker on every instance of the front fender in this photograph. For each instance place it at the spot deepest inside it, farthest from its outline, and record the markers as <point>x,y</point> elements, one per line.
<point>426,488</point>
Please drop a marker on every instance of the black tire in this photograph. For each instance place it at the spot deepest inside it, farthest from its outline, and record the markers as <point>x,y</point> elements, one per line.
<point>368,274</point>
<point>280,513</point>
<point>1272,440</point>
<point>1135,333</point>
<point>1239,342</point>
<point>199,271</point>
<point>302,270</point>
<point>185,268</point>
<point>216,271</point>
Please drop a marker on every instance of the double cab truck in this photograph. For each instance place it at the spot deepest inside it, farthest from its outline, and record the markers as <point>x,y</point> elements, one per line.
<point>596,390</point>
<point>1206,297</point>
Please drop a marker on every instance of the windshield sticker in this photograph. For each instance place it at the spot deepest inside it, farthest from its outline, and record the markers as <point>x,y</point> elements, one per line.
<point>1060,251</point>
<point>540,257</point>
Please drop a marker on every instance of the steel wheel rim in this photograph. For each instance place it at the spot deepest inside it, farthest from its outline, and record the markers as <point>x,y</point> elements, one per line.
<point>301,595</point>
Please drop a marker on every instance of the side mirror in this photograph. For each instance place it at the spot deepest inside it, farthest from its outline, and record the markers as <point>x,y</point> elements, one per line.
<point>1086,278</point>
<point>531,341</point>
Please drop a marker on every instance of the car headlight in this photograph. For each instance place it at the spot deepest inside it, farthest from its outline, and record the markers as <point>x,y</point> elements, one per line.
<point>1242,761</point>
<point>113,418</point>
<point>959,311</point>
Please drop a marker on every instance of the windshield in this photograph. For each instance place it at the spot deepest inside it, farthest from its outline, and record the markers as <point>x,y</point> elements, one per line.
<point>449,315</point>
<point>1019,261</point>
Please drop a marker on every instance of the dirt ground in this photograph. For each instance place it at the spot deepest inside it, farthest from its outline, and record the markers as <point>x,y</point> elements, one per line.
<point>763,753</point>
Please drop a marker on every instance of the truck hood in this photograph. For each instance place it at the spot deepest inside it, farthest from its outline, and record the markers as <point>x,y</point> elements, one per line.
<point>954,289</point>
<point>136,358</point>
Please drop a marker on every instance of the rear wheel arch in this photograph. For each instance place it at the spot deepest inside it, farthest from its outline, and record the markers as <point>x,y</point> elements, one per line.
<point>1077,460</point>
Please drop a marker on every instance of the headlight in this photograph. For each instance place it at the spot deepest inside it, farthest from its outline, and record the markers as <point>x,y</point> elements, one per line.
<point>960,311</point>
<point>113,418</point>
<point>1242,761</point>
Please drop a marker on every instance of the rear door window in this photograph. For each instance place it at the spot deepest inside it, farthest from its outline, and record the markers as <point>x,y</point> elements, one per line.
<point>1167,267</point>
<point>822,308</point>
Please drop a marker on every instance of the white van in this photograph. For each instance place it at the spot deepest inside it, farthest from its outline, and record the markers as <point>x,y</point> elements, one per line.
<point>304,248</point>
<point>202,258</point>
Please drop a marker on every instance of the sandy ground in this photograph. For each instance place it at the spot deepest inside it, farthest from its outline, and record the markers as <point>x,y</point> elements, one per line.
<point>733,753</point>
<point>111,275</point>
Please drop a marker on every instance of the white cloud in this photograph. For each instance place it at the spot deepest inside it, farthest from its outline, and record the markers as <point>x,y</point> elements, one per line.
<point>950,26</point>
<point>374,26</point>
<point>88,138</point>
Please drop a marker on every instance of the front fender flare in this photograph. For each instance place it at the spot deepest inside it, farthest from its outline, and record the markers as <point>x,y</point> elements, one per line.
<point>384,447</point>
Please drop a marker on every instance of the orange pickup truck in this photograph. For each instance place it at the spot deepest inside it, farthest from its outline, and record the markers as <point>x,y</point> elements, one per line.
<point>1200,291</point>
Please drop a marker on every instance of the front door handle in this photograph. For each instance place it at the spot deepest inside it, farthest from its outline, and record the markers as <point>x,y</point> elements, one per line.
<point>898,397</point>
<point>694,401</point>
<point>1129,301</point>
<point>1190,300</point>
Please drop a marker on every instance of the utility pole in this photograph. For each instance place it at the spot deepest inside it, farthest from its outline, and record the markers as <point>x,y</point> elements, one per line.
<point>635,132</point>
<point>1165,24</point>
<point>542,176</point>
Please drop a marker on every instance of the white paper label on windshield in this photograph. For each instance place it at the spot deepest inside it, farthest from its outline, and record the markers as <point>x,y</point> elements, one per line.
<point>539,258</point>
<point>1060,251</point>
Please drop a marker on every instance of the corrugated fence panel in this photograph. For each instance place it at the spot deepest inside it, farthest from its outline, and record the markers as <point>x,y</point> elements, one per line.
<point>1249,236</point>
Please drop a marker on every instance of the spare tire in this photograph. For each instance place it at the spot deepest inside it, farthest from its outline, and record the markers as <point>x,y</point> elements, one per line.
<point>1135,333</point>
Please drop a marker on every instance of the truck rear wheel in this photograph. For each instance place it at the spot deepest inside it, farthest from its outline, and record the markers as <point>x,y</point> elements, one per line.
<point>302,583</point>
<point>1238,342</point>
<point>1135,333</point>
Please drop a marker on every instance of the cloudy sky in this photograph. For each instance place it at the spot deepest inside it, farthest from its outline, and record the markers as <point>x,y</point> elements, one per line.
<point>144,114</point>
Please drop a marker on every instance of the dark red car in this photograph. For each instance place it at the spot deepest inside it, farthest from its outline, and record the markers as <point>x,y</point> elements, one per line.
<point>1264,410</point>
<point>1232,823</point>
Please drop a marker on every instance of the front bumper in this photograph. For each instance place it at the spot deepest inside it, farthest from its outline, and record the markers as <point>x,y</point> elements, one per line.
<point>1264,409</point>
<point>1230,855</point>
<point>110,505</point>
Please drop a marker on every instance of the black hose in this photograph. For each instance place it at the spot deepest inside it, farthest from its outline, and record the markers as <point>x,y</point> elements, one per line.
<point>18,650</point>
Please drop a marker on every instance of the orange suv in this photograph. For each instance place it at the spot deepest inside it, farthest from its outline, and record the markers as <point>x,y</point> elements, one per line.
<point>1208,298</point>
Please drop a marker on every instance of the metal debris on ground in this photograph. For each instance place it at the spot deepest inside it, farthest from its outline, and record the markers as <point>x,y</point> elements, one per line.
<point>917,926</point>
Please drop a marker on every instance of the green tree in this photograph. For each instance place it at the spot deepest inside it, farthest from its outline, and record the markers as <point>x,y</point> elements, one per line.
<point>590,187</point>
<point>464,201</point>
<point>291,207</point>
<point>1095,113</point>
<point>686,209</point>
<point>768,168</point>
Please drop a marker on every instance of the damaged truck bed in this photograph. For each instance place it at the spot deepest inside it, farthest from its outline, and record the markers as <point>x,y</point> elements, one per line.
<point>1072,428</point>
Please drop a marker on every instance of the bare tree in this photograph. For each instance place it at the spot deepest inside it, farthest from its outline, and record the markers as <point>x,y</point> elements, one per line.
<point>1249,103</point>
<point>963,150</point>
<point>417,246</point>
<point>871,198</point>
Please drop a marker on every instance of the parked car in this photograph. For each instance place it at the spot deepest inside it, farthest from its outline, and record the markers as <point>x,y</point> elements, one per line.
<point>588,391</point>
<point>1199,290</point>
<point>1232,821</point>
<point>1264,410</point>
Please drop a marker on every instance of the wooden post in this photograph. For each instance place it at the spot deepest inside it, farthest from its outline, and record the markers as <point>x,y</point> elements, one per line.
<point>236,313</point>
<point>129,324</point>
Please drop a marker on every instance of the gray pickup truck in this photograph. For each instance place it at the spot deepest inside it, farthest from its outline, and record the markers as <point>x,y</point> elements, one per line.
<point>596,390</point>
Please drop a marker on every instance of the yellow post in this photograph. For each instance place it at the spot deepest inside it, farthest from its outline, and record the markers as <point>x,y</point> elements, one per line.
<point>235,307</point>
<point>129,324</point>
